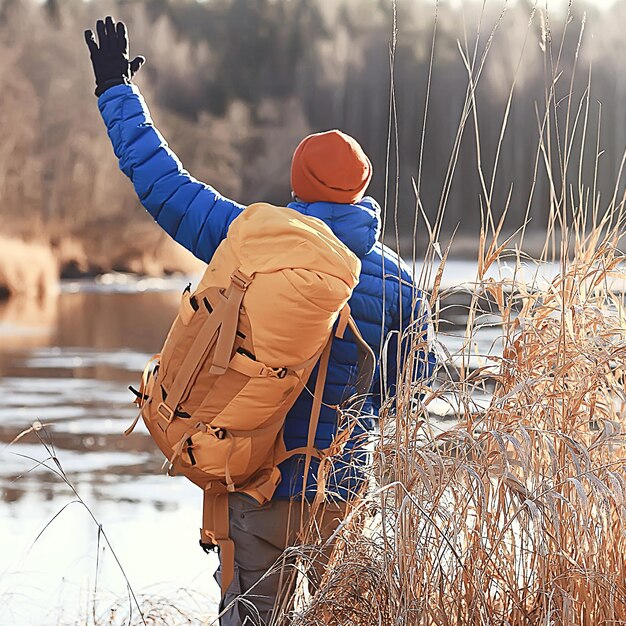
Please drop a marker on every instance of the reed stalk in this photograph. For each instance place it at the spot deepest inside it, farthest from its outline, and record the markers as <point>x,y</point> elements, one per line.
<point>516,513</point>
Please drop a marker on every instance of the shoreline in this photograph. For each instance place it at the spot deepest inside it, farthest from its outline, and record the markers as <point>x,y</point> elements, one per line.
<point>36,266</point>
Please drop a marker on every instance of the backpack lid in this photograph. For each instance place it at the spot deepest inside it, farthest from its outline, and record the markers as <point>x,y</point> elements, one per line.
<point>266,238</point>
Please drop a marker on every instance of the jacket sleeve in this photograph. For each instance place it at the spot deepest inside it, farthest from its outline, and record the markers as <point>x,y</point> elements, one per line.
<point>193,213</point>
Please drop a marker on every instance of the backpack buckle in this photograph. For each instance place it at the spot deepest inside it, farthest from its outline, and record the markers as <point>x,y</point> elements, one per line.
<point>219,433</point>
<point>208,547</point>
<point>280,372</point>
<point>165,412</point>
<point>240,280</point>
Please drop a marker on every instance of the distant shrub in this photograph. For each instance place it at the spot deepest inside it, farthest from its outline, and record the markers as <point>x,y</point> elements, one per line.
<point>27,269</point>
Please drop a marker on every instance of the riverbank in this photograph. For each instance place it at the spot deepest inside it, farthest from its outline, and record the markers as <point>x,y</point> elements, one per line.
<point>33,267</point>
<point>28,269</point>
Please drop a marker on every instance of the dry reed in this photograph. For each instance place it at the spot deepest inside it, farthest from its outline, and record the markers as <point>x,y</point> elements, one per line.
<point>27,269</point>
<point>516,514</point>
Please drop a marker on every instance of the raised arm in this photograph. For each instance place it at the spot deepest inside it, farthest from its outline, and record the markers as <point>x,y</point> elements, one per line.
<point>193,213</point>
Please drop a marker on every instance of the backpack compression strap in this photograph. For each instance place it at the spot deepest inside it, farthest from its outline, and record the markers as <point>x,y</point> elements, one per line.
<point>224,320</point>
<point>215,516</point>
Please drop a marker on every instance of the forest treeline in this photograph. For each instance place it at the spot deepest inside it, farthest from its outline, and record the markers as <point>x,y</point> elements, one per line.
<point>235,84</point>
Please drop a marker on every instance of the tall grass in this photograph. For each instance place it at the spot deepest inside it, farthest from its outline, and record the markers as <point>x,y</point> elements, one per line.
<point>517,513</point>
<point>27,269</point>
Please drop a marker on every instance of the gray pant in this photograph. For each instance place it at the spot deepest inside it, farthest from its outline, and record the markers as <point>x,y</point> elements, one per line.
<point>260,534</point>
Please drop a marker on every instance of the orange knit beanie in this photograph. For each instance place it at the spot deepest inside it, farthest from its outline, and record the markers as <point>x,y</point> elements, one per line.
<point>330,167</point>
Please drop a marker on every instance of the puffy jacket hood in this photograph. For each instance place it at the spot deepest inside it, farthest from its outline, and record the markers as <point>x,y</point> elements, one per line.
<point>356,225</point>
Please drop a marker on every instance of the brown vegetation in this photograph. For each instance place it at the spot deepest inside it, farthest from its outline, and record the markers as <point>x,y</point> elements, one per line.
<point>517,515</point>
<point>27,269</point>
<point>140,249</point>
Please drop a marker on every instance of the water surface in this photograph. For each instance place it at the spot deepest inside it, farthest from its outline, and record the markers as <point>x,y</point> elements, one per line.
<point>65,367</point>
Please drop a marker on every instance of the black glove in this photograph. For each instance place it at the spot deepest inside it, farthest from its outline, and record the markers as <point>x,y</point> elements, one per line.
<point>110,59</point>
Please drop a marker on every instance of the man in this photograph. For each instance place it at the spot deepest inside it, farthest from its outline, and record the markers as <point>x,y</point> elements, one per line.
<point>329,176</point>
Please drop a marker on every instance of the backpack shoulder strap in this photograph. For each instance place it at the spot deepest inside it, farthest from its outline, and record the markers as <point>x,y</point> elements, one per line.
<point>366,367</point>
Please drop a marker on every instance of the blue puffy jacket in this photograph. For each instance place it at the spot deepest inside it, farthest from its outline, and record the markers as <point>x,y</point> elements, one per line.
<point>198,217</point>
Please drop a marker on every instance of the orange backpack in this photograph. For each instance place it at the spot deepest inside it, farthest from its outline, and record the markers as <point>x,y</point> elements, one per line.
<point>241,351</point>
